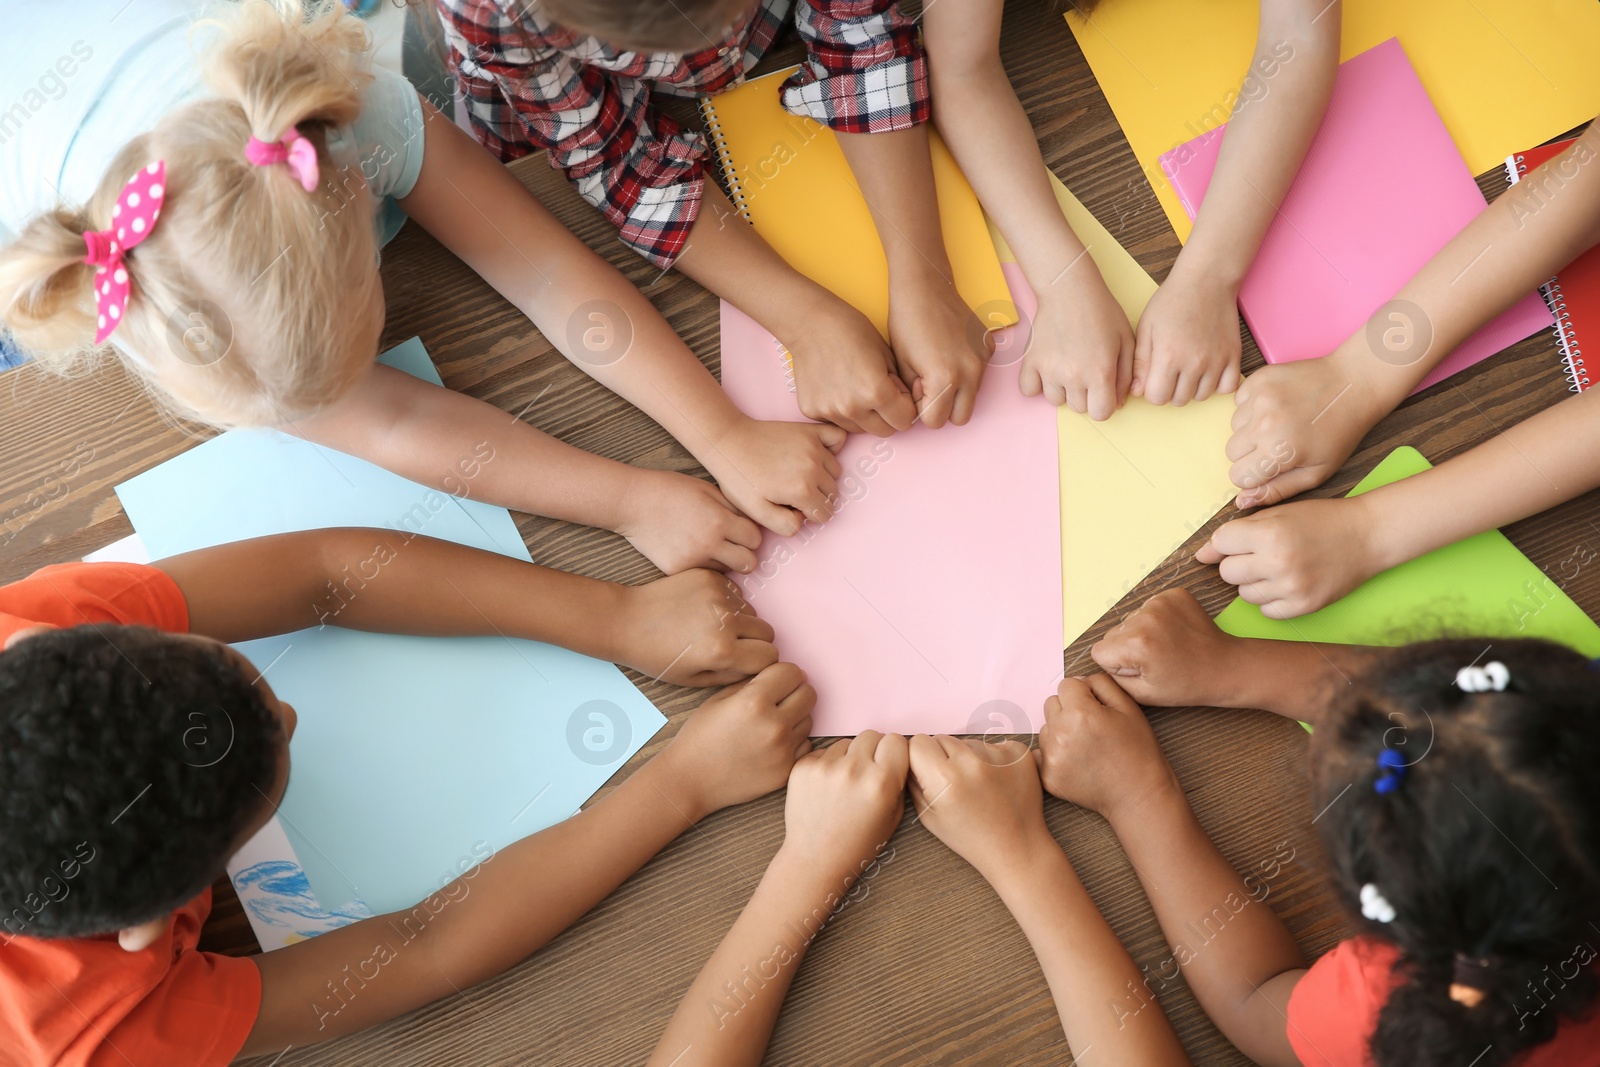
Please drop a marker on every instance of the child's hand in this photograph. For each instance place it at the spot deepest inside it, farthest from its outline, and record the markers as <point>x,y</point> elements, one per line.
<point>1169,654</point>
<point>741,743</point>
<point>982,800</point>
<point>1296,558</point>
<point>941,348</point>
<point>1188,343</point>
<point>692,629</point>
<point>1080,351</point>
<point>678,522</point>
<point>779,473</point>
<point>1295,426</point>
<point>845,374</point>
<point>844,802</point>
<point>1097,749</point>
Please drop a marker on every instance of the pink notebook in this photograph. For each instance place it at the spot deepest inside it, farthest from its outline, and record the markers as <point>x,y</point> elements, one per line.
<point>931,602</point>
<point>1381,190</point>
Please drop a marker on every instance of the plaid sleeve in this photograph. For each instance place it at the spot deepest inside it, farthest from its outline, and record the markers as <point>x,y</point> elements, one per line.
<point>865,71</point>
<point>641,168</point>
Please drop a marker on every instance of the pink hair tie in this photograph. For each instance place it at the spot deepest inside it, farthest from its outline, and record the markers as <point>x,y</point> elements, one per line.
<point>132,218</point>
<point>294,150</point>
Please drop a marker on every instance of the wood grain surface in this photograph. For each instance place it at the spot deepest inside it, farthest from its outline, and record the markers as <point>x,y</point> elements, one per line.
<point>928,968</point>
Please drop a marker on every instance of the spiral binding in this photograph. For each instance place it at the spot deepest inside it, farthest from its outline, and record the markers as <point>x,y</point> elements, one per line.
<point>719,147</point>
<point>1566,336</point>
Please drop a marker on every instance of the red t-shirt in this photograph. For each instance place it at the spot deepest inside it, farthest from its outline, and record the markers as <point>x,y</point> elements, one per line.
<point>1334,1011</point>
<point>83,1001</point>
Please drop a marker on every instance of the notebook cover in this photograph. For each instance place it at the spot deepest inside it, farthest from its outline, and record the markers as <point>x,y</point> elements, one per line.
<point>790,178</point>
<point>1502,73</point>
<point>1573,295</point>
<point>1479,587</point>
<point>1348,236</point>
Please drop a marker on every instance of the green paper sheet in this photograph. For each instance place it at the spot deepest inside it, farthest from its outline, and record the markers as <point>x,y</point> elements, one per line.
<point>1481,586</point>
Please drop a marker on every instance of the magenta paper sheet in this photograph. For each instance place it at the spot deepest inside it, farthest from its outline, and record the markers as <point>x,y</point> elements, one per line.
<point>1382,189</point>
<point>931,602</point>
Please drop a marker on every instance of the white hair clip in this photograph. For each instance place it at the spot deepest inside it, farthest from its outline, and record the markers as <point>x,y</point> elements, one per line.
<point>1374,906</point>
<point>1482,679</point>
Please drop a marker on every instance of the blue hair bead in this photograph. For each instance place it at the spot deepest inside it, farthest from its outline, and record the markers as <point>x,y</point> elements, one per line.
<point>1392,770</point>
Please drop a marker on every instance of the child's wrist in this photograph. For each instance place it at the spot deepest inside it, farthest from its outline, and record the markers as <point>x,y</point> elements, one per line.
<point>1147,797</point>
<point>677,782</point>
<point>813,874</point>
<point>1215,268</point>
<point>1022,859</point>
<point>1036,870</point>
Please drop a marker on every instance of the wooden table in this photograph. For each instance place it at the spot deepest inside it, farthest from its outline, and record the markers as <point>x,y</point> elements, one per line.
<point>928,968</point>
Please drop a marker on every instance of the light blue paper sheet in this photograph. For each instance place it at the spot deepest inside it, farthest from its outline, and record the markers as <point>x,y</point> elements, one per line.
<point>411,753</point>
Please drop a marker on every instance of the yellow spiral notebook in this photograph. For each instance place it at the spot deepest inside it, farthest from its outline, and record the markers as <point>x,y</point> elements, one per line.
<point>788,176</point>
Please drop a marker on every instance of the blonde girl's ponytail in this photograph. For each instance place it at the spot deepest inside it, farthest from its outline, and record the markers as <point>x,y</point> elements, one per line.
<point>285,63</point>
<point>46,289</point>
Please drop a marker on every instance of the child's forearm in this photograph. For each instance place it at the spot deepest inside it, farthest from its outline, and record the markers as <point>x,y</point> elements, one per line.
<point>981,120</point>
<point>467,447</point>
<point>1516,243</point>
<point>499,911</point>
<point>1540,462</point>
<point>726,1017</point>
<point>1295,679</point>
<point>1224,936</point>
<point>895,174</point>
<point>727,256</point>
<point>586,308</point>
<point>1097,988</point>
<point>1281,103</point>
<point>392,582</point>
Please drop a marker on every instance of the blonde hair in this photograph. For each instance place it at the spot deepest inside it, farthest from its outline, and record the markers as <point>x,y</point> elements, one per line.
<point>249,297</point>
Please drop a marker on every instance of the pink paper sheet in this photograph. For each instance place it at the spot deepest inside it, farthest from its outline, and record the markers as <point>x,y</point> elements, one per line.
<point>1381,190</point>
<point>931,602</point>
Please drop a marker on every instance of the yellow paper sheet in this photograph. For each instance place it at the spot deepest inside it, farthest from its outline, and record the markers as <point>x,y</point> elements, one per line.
<point>1504,74</point>
<point>1135,487</point>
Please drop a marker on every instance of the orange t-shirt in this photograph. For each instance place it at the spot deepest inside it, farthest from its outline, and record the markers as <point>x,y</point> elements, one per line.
<point>1333,1012</point>
<point>83,1001</point>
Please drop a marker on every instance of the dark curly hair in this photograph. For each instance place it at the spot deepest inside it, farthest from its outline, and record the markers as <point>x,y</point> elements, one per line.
<point>130,762</point>
<point>1488,849</point>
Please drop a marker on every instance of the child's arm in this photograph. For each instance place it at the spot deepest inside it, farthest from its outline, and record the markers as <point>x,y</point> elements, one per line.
<point>842,806</point>
<point>1298,422</point>
<point>689,629</point>
<point>1097,750</point>
<point>1169,653</point>
<point>940,347</point>
<point>1188,343</point>
<point>984,801</point>
<point>430,434</point>
<point>1082,349</point>
<point>776,472</point>
<point>1298,557</point>
<point>738,746</point>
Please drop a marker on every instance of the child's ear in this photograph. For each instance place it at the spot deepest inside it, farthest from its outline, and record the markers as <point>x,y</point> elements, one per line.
<point>139,938</point>
<point>22,635</point>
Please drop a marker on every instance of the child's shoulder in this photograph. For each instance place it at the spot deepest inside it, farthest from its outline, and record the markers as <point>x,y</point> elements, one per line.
<point>169,1003</point>
<point>1335,1005</point>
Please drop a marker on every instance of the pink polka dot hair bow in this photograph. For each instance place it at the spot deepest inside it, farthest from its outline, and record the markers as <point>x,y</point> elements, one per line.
<point>295,151</point>
<point>132,218</point>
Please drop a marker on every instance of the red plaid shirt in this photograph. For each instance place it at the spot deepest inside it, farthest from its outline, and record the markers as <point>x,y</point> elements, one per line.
<point>530,84</point>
